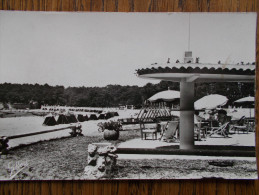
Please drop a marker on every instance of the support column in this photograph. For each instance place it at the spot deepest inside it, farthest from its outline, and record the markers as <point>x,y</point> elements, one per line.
<point>186,115</point>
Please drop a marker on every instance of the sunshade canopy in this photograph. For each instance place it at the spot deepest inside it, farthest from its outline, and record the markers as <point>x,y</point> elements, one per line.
<point>167,96</point>
<point>210,102</point>
<point>245,99</point>
<point>199,72</point>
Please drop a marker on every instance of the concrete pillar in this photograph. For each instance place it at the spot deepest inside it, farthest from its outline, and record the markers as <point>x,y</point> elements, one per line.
<point>186,115</point>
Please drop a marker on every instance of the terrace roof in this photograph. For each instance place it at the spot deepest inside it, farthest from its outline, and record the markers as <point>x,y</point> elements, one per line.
<point>199,72</point>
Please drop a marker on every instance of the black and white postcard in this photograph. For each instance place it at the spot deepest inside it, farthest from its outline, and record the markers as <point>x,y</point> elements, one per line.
<point>92,96</point>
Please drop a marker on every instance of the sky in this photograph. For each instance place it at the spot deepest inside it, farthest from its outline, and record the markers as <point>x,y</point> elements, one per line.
<point>98,49</point>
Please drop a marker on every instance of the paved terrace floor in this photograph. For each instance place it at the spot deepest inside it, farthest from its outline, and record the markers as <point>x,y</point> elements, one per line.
<point>234,145</point>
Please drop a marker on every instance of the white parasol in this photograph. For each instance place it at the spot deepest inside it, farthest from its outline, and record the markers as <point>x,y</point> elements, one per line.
<point>210,102</point>
<point>167,96</point>
<point>246,100</point>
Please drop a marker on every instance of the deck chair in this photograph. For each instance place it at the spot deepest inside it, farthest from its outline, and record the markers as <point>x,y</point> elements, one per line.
<point>239,125</point>
<point>250,124</point>
<point>170,131</point>
<point>222,130</point>
<point>241,120</point>
<point>147,130</point>
<point>245,126</point>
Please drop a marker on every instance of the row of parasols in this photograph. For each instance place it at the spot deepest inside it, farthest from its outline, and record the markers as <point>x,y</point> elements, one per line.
<point>207,102</point>
<point>67,118</point>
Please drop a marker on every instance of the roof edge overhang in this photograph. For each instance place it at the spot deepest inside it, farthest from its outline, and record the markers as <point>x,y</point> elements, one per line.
<point>200,72</point>
<point>190,77</point>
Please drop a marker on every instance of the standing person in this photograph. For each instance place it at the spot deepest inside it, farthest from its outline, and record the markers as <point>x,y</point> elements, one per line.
<point>197,124</point>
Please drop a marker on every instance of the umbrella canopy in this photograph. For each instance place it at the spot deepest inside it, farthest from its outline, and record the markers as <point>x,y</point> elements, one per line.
<point>167,96</point>
<point>245,100</point>
<point>210,102</point>
<point>248,101</point>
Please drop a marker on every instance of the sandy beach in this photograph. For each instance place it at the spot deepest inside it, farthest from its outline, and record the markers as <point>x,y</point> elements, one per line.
<point>64,157</point>
<point>21,125</point>
<point>31,123</point>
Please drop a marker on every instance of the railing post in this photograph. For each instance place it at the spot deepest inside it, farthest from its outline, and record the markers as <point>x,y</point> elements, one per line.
<point>3,144</point>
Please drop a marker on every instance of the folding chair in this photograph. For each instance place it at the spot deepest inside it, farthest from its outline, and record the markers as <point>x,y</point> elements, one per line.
<point>170,131</point>
<point>222,130</point>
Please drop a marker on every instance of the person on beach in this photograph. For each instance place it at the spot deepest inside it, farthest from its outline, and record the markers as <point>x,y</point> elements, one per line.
<point>223,118</point>
<point>197,123</point>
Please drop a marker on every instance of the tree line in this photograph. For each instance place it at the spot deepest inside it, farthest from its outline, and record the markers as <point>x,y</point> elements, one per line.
<point>111,95</point>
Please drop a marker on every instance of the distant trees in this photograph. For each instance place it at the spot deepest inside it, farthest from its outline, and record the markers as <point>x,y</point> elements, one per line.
<point>112,95</point>
<point>232,90</point>
<point>25,93</point>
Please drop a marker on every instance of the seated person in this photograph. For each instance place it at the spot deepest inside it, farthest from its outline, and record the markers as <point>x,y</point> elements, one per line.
<point>223,118</point>
<point>197,118</point>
